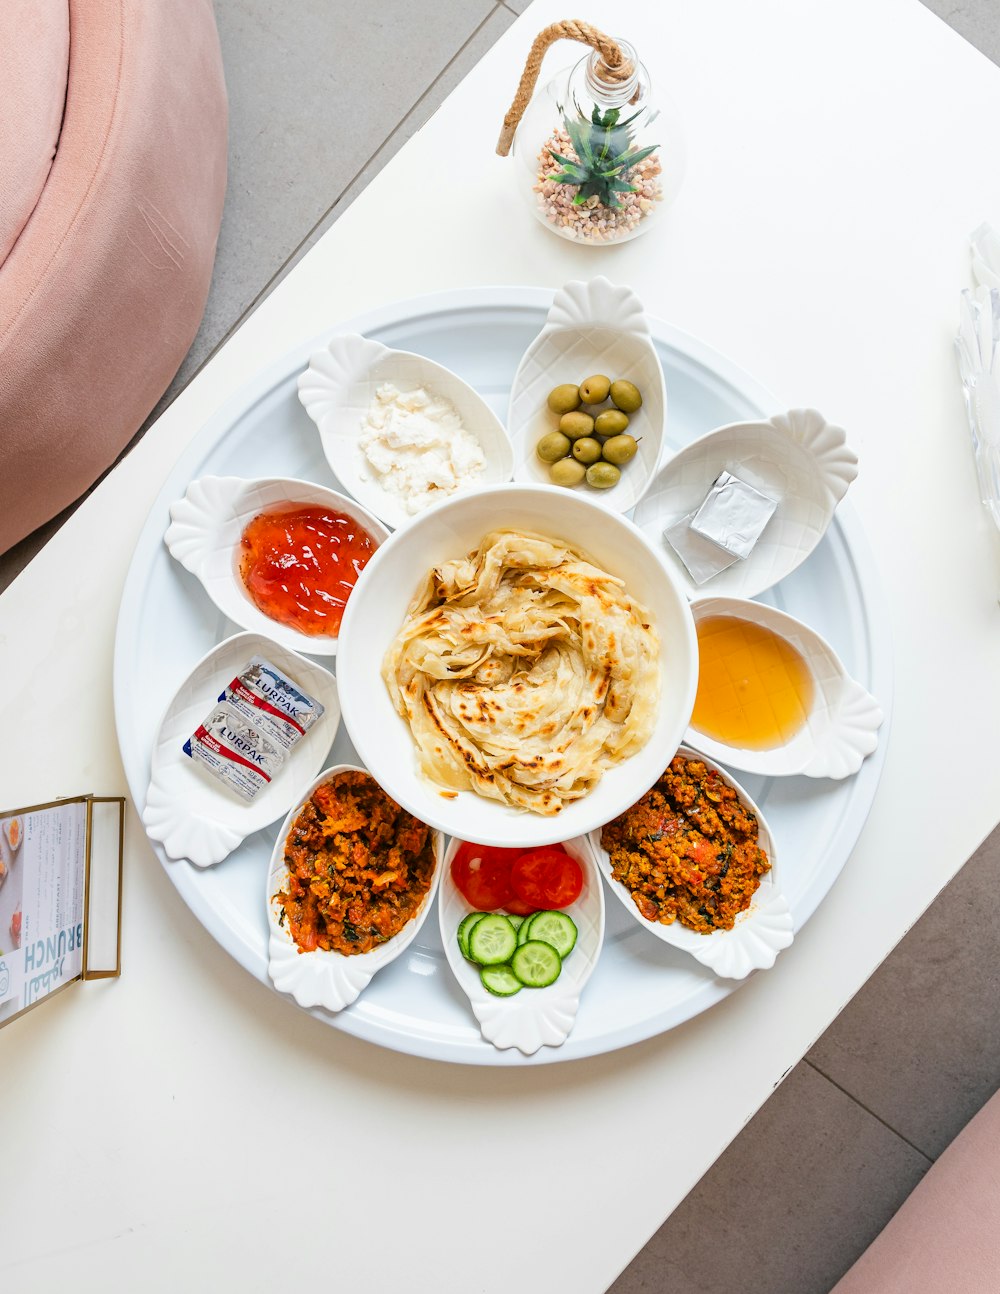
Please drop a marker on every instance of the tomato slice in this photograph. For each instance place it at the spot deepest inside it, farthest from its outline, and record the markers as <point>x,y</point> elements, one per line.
<point>547,878</point>
<point>564,886</point>
<point>482,875</point>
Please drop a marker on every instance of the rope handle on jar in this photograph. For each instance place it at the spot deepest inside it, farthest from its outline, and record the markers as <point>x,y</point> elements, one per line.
<point>614,67</point>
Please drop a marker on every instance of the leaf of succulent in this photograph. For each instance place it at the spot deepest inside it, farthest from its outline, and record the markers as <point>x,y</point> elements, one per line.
<point>580,139</point>
<point>608,119</point>
<point>572,176</point>
<point>634,158</point>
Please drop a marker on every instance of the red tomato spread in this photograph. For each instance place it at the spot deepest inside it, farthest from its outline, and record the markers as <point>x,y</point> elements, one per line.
<point>299,565</point>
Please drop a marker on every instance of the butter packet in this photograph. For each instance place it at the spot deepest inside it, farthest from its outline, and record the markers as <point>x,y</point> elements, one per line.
<point>239,754</point>
<point>272,702</point>
<point>733,515</point>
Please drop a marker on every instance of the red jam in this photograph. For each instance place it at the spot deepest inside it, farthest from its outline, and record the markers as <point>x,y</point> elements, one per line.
<point>299,566</point>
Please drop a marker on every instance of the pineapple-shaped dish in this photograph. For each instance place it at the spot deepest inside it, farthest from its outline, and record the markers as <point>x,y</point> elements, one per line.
<point>598,162</point>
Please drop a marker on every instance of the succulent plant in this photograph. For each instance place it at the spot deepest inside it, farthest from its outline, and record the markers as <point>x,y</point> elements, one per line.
<point>605,157</point>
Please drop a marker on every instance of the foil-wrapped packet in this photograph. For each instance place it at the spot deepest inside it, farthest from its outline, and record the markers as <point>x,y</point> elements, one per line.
<point>723,529</point>
<point>272,702</point>
<point>733,515</point>
<point>702,557</point>
<point>239,754</point>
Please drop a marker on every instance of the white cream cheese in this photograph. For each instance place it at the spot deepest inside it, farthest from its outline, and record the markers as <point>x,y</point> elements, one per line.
<point>416,445</point>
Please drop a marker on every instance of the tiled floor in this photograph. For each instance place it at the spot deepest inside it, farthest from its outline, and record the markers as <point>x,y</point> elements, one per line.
<point>317,108</point>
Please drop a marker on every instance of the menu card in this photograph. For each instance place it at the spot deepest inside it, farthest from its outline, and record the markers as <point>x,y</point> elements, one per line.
<point>60,898</point>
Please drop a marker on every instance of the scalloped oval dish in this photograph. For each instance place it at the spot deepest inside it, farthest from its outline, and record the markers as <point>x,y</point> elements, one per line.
<point>593,326</point>
<point>187,810</point>
<point>534,1017</point>
<point>338,389</point>
<point>204,535</point>
<point>840,724</point>
<point>797,459</point>
<point>324,977</point>
<point>760,932</point>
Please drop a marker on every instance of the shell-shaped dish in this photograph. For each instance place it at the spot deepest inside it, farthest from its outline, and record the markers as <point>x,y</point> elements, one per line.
<point>338,388</point>
<point>326,978</point>
<point>535,1017</point>
<point>188,811</point>
<point>594,326</point>
<point>797,458</point>
<point>841,726</point>
<point>204,536</point>
<point>760,933</point>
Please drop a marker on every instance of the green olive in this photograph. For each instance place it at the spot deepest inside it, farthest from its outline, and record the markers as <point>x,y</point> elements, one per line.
<point>576,425</point>
<point>594,390</point>
<point>553,447</point>
<point>602,476</point>
<point>564,399</point>
<point>567,472</point>
<point>587,450</point>
<point>619,449</point>
<point>610,423</point>
<point>625,396</point>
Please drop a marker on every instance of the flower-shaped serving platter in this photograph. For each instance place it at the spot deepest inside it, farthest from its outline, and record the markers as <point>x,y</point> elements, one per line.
<point>533,1018</point>
<point>324,978</point>
<point>189,812</point>
<point>762,931</point>
<point>338,388</point>
<point>641,986</point>
<point>841,727</point>
<point>204,536</point>
<point>798,459</point>
<point>594,326</point>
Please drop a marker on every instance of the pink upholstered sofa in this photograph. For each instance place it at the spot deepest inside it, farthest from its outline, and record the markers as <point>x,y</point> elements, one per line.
<point>946,1237</point>
<point>112,174</point>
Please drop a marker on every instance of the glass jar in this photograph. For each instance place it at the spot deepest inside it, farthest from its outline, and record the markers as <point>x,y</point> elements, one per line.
<point>633,163</point>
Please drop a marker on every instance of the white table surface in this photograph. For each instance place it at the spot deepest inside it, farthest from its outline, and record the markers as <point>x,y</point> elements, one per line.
<point>839,156</point>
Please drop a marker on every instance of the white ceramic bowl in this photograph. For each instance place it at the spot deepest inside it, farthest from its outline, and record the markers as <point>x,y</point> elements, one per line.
<point>326,978</point>
<point>193,815</point>
<point>204,536</point>
<point>532,1018</point>
<point>378,607</point>
<point>338,388</point>
<point>841,728</point>
<point>760,933</point>
<point>593,327</point>
<point>797,458</point>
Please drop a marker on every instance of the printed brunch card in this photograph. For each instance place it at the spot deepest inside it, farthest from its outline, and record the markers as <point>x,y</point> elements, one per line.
<point>42,862</point>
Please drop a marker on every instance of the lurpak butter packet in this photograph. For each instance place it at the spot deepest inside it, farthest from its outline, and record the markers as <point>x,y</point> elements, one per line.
<point>240,755</point>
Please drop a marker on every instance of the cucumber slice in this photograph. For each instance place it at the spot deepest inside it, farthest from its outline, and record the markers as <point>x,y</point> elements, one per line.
<point>464,926</point>
<point>514,920</point>
<point>500,980</point>
<point>536,964</point>
<point>492,940</point>
<point>522,934</point>
<point>555,928</point>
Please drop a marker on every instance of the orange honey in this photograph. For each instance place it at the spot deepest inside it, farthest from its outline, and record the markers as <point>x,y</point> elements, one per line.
<point>754,689</point>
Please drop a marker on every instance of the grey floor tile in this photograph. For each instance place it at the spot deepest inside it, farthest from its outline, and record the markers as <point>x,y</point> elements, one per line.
<point>463,63</point>
<point>517,6</point>
<point>315,89</point>
<point>920,1043</point>
<point>800,1193</point>
<point>977,20</point>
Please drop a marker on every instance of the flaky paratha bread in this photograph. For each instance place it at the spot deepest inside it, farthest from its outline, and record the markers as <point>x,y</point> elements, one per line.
<point>524,671</point>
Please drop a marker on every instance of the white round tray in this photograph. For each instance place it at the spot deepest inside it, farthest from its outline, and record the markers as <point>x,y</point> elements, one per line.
<point>641,986</point>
